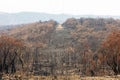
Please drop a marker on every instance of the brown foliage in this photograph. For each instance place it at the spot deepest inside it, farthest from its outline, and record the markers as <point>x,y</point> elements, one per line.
<point>111,49</point>
<point>11,53</point>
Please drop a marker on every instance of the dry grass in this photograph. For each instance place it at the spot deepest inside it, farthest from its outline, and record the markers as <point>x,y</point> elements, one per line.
<point>76,77</point>
<point>73,77</point>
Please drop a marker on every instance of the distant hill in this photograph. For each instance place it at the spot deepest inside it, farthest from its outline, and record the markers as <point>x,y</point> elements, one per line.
<point>28,17</point>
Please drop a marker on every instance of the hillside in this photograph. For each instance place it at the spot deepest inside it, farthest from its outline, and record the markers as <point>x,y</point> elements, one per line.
<point>73,29</point>
<point>67,48</point>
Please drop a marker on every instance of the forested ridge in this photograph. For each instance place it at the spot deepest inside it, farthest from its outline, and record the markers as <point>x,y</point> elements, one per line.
<point>85,46</point>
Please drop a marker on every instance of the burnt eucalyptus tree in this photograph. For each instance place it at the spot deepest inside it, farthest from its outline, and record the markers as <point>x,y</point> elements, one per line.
<point>10,54</point>
<point>111,50</point>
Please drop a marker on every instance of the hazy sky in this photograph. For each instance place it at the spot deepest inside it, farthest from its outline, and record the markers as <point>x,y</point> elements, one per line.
<point>95,7</point>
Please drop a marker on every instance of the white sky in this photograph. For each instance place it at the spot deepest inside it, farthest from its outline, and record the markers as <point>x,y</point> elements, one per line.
<point>79,7</point>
